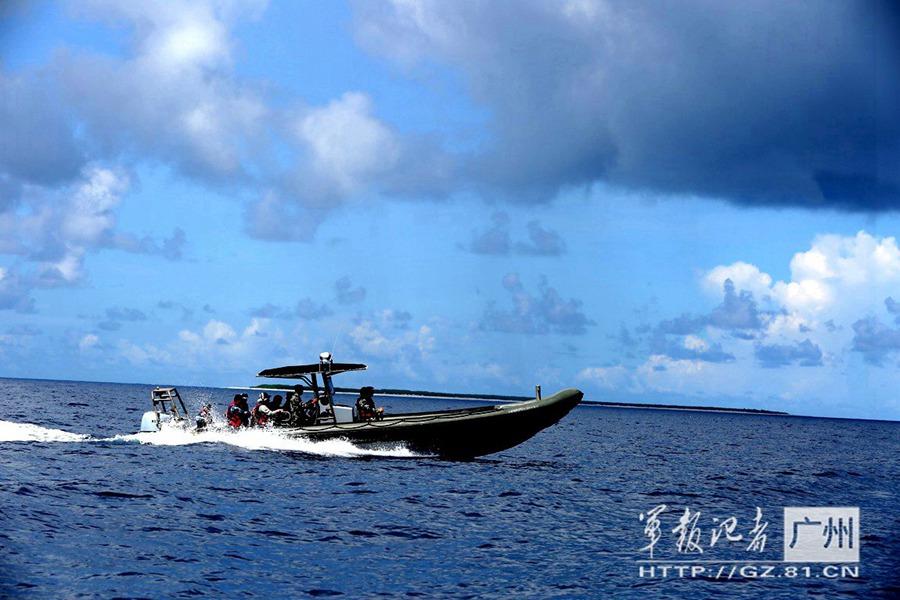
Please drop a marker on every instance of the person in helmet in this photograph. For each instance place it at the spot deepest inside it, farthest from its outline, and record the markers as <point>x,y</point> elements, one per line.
<point>238,413</point>
<point>365,405</point>
<point>261,411</point>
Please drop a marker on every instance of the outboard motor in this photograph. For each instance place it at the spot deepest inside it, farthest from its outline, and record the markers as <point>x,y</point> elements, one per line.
<point>166,404</point>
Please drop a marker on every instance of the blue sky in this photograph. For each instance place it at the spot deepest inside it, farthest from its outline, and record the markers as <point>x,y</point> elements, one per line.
<point>687,204</point>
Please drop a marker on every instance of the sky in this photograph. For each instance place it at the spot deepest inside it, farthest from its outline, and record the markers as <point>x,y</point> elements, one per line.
<point>690,202</point>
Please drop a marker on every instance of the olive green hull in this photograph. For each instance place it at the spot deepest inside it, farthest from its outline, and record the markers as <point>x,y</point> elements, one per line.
<point>462,433</point>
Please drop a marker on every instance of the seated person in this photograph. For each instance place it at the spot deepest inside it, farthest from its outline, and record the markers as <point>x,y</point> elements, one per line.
<point>311,411</point>
<point>365,405</point>
<point>204,417</point>
<point>275,402</point>
<point>295,407</point>
<point>262,413</point>
<point>301,413</point>
<point>326,408</point>
<point>238,413</point>
<point>278,415</point>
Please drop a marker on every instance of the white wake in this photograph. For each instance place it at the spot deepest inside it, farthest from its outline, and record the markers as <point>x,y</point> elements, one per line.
<point>248,439</point>
<point>26,432</point>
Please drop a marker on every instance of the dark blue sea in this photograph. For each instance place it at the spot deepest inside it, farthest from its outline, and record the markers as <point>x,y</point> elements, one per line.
<point>90,510</point>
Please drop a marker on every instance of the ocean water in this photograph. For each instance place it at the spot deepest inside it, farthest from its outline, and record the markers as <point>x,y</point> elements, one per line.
<point>88,509</point>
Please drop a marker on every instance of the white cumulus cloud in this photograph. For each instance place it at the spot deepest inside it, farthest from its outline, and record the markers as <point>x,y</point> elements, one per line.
<point>836,274</point>
<point>743,275</point>
<point>348,144</point>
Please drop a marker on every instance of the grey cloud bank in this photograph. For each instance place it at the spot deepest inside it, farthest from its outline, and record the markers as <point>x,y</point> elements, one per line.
<point>345,293</point>
<point>758,102</point>
<point>497,239</point>
<point>541,313</point>
<point>875,340</point>
<point>805,354</point>
<point>737,313</point>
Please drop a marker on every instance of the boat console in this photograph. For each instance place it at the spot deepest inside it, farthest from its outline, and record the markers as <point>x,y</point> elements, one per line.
<point>166,402</point>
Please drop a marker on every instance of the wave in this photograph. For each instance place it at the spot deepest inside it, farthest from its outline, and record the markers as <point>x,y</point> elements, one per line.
<point>28,432</point>
<point>248,439</point>
<point>259,439</point>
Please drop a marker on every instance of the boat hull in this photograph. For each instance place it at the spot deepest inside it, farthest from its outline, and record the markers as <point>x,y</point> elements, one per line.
<point>464,433</point>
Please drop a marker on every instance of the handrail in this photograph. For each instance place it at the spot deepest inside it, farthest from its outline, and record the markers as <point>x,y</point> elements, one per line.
<point>382,424</point>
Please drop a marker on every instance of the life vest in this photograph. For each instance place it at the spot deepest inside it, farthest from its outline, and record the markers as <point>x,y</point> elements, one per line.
<point>365,408</point>
<point>259,416</point>
<point>234,415</point>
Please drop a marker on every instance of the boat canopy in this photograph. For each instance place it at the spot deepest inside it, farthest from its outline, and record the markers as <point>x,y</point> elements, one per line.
<point>166,400</point>
<point>299,371</point>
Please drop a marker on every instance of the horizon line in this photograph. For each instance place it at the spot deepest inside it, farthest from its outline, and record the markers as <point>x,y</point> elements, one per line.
<point>479,397</point>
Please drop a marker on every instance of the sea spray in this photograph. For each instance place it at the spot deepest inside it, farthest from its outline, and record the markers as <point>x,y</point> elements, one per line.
<point>248,439</point>
<point>259,439</point>
<point>28,432</point>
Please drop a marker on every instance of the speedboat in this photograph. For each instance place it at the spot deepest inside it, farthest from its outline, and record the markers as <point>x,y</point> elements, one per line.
<point>456,433</point>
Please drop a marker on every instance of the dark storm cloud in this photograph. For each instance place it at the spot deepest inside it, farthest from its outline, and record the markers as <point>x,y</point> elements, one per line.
<point>805,354</point>
<point>542,313</point>
<point>759,102</point>
<point>875,340</point>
